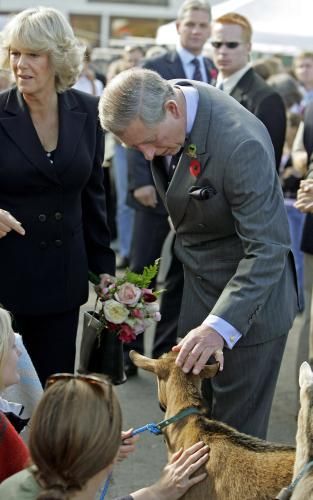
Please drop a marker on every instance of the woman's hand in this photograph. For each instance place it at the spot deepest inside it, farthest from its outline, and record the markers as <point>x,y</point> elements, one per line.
<point>176,478</point>
<point>9,223</point>
<point>128,445</point>
<point>304,201</point>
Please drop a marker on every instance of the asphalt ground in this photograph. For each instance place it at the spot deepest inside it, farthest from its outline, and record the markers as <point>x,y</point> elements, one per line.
<point>138,398</point>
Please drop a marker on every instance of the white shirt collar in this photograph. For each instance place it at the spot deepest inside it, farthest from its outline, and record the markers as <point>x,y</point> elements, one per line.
<point>231,82</point>
<point>192,99</point>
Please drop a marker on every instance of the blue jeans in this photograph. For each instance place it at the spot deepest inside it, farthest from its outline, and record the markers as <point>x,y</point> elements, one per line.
<point>296,221</point>
<point>125,214</point>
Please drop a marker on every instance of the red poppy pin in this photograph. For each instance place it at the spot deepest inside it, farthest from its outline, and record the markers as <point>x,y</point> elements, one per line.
<point>194,165</point>
<point>195,168</point>
<point>213,76</point>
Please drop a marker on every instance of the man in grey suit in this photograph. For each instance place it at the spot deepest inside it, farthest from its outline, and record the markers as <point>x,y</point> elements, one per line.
<point>193,28</point>
<point>226,205</point>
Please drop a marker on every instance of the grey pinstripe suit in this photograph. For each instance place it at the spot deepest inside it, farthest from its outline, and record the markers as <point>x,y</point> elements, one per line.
<point>235,248</point>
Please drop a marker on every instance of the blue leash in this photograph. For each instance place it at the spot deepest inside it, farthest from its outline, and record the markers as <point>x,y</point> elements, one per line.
<point>155,429</point>
<point>106,486</point>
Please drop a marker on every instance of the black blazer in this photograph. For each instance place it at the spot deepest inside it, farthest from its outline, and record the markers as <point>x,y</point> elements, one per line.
<point>261,100</point>
<point>169,66</point>
<point>61,206</point>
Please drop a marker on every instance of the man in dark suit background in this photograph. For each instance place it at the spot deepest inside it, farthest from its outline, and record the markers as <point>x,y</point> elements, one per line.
<point>151,224</point>
<point>231,42</point>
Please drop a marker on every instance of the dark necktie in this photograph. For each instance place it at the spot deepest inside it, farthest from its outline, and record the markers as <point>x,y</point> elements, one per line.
<point>197,73</point>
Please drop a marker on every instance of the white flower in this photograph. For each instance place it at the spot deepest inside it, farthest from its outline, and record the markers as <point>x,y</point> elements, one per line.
<point>152,307</point>
<point>137,324</point>
<point>114,311</point>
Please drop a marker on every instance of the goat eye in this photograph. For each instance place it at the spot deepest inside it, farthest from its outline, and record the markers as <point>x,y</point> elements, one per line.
<point>162,408</point>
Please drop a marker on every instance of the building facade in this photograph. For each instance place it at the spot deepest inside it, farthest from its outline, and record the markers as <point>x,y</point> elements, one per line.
<point>105,23</point>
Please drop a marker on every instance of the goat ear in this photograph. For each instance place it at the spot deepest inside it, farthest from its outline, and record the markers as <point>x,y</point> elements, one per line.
<point>305,375</point>
<point>209,371</point>
<point>143,362</point>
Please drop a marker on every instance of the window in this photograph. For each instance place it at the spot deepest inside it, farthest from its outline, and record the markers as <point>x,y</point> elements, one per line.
<point>87,28</point>
<point>121,27</point>
<point>157,3</point>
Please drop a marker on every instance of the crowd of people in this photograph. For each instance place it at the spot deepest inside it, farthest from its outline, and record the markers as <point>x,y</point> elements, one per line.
<point>212,153</point>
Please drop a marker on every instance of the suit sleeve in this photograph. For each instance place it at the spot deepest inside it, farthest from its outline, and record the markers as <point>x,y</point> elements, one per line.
<point>271,111</point>
<point>255,199</point>
<point>101,258</point>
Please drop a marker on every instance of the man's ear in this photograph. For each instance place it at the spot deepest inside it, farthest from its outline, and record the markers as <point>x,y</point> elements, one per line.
<point>172,107</point>
<point>177,26</point>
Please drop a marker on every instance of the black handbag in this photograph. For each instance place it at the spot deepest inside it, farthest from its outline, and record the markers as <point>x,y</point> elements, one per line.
<point>101,350</point>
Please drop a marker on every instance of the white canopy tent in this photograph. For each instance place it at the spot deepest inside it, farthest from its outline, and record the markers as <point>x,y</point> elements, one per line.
<point>279,26</point>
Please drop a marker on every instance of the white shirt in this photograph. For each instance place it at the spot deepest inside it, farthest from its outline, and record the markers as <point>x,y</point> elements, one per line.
<point>231,82</point>
<point>84,84</point>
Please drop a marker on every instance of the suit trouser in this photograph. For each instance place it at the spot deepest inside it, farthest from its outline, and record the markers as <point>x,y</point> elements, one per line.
<point>166,330</point>
<point>241,395</point>
<point>50,341</point>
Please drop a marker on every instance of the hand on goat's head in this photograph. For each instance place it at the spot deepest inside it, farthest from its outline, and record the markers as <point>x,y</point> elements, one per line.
<point>170,376</point>
<point>166,363</point>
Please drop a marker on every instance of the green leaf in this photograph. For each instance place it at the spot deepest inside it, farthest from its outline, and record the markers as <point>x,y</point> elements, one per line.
<point>142,280</point>
<point>94,278</point>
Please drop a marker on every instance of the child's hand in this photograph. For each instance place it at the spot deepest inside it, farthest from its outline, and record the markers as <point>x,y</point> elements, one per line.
<point>128,444</point>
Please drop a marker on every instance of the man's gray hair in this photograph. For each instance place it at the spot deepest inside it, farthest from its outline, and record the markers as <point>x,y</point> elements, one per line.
<point>134,93</point>
<point>189,5</point>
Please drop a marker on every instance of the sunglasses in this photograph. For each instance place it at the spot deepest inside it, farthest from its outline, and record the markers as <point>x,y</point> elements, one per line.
<point>93,380</point>
<point>229,45</point>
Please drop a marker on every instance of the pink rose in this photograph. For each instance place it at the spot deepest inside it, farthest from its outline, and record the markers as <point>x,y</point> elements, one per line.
<point>148,295</point>
<point>137,313</point>
<point>128,294</point>
<point>126,334</point>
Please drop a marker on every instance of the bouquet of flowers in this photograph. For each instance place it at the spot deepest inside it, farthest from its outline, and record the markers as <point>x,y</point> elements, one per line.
<point>127,305</point>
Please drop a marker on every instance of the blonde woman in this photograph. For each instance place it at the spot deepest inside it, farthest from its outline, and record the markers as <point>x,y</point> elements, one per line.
<point>52,201</point>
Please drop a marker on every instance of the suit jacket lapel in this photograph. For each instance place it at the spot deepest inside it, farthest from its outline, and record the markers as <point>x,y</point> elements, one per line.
<point>239,92</point>
<point>175,67</point>
<point>160,176</point>
<point>19,126</point>
<point>71,125</point>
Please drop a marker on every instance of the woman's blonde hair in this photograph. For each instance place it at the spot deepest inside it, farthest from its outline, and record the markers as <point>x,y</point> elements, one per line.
<point>5,333</point>
<point>45,30</point>
<point>75,433</point>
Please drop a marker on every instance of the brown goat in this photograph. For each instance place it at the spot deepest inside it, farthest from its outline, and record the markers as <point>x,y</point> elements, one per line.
<point>240,467</point>
<point>304,453</point>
